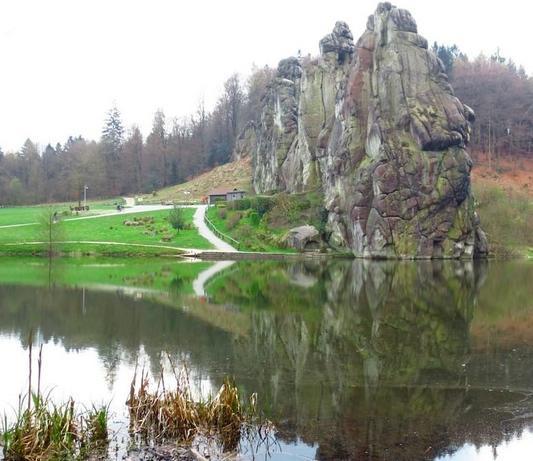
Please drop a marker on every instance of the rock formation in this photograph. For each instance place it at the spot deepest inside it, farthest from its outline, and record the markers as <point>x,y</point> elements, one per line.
<point>303,238</point>
<point>375,125</point>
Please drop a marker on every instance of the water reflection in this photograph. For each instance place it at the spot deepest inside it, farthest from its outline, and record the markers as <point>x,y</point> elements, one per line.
<point>353,359</point>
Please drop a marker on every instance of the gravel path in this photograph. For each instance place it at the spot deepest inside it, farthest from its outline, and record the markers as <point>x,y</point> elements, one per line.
<point>205,232</point>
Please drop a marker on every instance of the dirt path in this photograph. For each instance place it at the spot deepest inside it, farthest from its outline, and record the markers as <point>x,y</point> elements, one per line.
<point>206,233</point>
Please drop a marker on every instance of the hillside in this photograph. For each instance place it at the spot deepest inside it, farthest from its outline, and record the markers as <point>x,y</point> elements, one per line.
<point>235,174</point>
<point>513,175</point>
<point>504,196</point>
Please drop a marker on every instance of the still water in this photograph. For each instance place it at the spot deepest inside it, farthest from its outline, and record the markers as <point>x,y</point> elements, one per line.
<point>350,359</point>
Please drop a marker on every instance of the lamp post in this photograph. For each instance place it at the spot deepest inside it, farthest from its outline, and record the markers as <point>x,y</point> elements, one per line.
<point>85,196</point>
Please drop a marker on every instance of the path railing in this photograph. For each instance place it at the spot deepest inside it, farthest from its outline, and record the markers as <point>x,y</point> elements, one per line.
<point>221,235</point>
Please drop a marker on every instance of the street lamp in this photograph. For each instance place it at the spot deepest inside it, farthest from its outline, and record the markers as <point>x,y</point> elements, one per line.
<point>85,188</point>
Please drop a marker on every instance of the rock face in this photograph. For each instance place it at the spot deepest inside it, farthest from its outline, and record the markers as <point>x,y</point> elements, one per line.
<point>376,126</point>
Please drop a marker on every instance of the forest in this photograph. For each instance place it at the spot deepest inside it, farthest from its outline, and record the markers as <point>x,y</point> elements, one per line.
<point>122,161</point>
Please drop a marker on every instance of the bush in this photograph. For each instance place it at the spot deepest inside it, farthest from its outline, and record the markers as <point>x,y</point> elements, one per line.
<point>222,213</point>
<point>262,204</point>
<point>241,204</point>
<point>233,220</point>
<point>176,218</point>
<point>255,219</point>
<point>244,232</point>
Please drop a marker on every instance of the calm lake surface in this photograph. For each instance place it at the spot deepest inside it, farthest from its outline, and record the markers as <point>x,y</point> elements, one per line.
<point>350,359</point>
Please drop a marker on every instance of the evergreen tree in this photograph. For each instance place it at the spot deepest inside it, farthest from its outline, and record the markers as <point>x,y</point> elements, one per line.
<point>111,146</point>
<point>448,55</point>
<point>156,152</point>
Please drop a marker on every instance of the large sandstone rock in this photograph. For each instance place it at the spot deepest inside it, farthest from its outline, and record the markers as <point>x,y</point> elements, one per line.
<point>377,127</point>
<point>303,238</point>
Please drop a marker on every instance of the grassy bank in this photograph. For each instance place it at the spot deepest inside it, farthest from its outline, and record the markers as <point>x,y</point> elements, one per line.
<point>147,233</point>
<point>260,223</point>
<point>507,218</point>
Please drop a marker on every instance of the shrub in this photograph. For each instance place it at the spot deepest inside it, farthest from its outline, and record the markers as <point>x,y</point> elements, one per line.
<point>241,204</point>
<point>255,219</point>
<point>222,213</point>
<point>245,232</point>
<point>233,220</point>
<point>262,204</point>
<point>176,218</point>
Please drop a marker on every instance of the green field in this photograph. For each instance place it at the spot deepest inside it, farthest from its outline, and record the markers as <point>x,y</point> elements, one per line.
<point>110,229</point>
<point>31,214</point>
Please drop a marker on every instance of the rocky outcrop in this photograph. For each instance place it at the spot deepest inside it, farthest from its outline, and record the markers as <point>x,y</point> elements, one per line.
<point>246,142</point>
<point>376,126</point>
<point>303,238</point>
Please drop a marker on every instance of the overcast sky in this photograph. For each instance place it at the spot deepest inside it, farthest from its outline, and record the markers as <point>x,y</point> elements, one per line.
<point>63,63</point>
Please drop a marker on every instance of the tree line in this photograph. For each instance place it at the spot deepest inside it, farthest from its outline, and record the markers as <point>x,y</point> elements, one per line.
<point>501,94</point>
<point>122,161</point>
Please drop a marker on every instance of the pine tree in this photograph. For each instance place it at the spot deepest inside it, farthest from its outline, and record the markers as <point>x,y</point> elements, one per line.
<point>111,145</point>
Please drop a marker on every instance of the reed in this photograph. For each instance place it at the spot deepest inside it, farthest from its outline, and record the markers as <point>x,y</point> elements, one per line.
<point>43,430</point>
<point>173,414</point>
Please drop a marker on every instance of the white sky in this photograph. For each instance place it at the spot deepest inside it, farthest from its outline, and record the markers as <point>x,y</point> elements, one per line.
<point>64,62</point>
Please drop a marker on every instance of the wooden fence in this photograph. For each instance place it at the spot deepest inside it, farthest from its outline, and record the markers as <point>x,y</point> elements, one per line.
<point>221,235</point>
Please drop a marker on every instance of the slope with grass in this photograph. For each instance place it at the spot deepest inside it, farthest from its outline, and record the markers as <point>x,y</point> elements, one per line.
<point>234,174</point>
<point>259,223</point>
<point>504,197</point>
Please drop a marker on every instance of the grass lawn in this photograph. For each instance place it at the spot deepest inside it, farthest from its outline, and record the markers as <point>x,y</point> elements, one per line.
<point>171,275</point>
<point>110,229</point>
<point>31,214</point>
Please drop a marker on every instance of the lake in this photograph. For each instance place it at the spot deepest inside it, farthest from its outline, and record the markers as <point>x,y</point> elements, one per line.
<point>350,359</point>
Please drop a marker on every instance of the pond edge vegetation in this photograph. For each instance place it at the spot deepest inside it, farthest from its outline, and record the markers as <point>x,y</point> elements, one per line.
<point>45,430</point>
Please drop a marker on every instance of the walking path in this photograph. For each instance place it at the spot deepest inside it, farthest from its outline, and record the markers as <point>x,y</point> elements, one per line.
<point>206,233</point>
